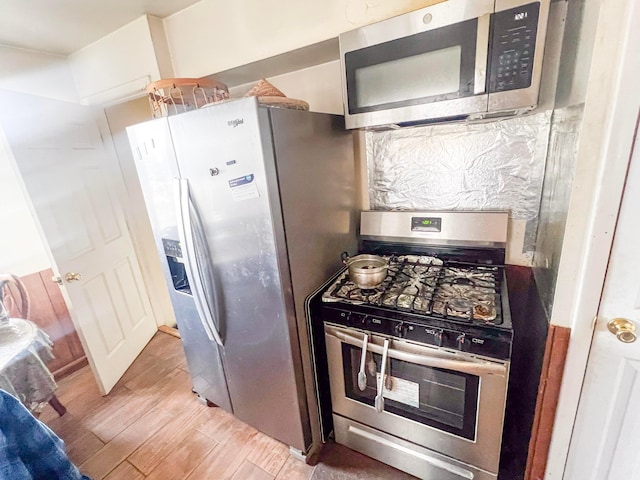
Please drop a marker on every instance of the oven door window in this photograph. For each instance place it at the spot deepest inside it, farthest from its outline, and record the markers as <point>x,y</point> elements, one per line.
<point>422,68</point>
<point>444,399</point>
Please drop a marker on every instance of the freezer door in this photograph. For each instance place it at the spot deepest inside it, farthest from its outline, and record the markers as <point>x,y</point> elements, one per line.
<point>222,156</point>
<point>157,168</point>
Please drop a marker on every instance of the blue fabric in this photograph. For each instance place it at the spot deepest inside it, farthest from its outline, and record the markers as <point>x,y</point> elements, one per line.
<point>29,450</point>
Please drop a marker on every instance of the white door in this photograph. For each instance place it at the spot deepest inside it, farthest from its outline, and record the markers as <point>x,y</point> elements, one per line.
<point>606,437</point>
<point>73,182</point>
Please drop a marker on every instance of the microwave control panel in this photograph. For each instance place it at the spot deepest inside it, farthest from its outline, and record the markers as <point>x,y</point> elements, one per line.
<point>513,44</point>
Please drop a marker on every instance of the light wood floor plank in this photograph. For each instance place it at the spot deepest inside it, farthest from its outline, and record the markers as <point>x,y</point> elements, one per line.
<point>118,414</point>
<point>218,425</point>
<point>165,346</point>
<point>294,469</point>
<point>142,364</point>
<point>125,471</point>
<point>80,442</point>
<point>184,458</point>
<point>83,448</point>
<point>124,444</point>
<point>152,424</point>
<point>249,471</point>
<point>81,382</point>
<point>150,377</point>
<point>176,396</point>
<point>268,454</point>
<point>68,427</point>
<point>224,460</point>
<point>162,443</point>
<point>83,400</point>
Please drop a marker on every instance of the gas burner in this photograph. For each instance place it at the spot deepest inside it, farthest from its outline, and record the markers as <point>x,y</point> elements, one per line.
<point>424,284</point>
<point>465,302</point>
<point>368,292</point>
<point>468,292</point>
<point>410,282</point>
<point>351,293</point>
<point>460,304</point>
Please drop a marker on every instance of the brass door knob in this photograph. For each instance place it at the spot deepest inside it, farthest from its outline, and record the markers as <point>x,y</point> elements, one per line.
<point>72,277</point>
<point>623,329</point>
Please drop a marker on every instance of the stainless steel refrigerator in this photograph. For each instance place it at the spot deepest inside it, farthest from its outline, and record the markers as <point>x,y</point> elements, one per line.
<point>250,207</point>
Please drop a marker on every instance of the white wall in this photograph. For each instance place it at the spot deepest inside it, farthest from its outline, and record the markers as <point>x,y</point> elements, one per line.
<point>38,74</point>
<point>119,66</point>
<point>22,249</point>
<point>212,36</point>
<point>319,86</point>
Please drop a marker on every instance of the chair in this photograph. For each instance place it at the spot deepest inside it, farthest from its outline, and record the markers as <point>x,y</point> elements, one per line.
<point>24,351</point>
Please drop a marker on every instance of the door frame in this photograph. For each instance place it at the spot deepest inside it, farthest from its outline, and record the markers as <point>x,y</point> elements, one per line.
<point>136,218</point>
<point>606,139</point>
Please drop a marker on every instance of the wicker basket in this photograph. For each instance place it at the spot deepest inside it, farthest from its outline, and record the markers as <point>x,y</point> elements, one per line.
<point>269,95</point>
<point>176,95</point>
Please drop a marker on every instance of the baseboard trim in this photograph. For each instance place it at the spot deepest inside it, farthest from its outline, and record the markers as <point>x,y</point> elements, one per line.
<point>69,368</point>
<point>169,330</point>
<point>555,356</point>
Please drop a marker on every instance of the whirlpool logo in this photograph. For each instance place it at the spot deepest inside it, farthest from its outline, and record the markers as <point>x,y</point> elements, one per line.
<point>236,122</point>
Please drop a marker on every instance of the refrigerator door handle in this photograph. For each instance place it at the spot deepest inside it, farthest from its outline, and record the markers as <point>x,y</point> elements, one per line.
<point>186,226</point>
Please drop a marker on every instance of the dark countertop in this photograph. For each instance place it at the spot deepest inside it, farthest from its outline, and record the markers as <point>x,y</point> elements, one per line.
<point>530,327</point>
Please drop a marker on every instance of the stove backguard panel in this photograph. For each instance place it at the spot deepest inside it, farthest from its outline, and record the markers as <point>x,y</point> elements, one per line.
<point>484,166</point>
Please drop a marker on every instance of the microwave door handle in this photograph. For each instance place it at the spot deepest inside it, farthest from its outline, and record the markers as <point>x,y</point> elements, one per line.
<point>424,358</point>
<point>482,55</point>
<point>379,401</point>
<point>185,232</point>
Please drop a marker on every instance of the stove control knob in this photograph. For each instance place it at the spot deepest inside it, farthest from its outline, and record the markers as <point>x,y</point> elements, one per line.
<point>433,336</point>
<point>462,341</point>
<point>399,330</point>
<point>344,318</point>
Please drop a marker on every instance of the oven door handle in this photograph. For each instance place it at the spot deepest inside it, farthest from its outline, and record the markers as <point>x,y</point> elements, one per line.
<point>423,358</point>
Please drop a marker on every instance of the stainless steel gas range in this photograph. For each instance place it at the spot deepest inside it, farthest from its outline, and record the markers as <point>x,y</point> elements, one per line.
<point>414,372</point>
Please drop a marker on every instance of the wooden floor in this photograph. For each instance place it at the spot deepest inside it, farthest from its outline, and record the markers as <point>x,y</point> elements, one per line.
<point>151,426</point>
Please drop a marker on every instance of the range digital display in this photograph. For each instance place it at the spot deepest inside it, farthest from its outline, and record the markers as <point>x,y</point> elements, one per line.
<point>426,224</point>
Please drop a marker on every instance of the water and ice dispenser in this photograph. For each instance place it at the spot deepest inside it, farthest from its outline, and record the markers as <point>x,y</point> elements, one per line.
<point>173,251</point>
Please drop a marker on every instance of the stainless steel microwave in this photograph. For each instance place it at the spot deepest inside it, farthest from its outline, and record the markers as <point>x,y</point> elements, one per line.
<point>454,60</point>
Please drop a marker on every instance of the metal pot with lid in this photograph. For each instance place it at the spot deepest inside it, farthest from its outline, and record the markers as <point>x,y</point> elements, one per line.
<point>366,271</point>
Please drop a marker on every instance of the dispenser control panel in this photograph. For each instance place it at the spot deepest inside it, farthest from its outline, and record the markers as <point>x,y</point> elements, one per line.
<point>172,248</point>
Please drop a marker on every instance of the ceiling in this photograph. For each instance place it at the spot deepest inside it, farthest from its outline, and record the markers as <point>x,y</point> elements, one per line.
<point>65,26</point>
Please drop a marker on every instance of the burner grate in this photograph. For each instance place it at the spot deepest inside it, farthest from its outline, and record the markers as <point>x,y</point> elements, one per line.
<point>426,285</point>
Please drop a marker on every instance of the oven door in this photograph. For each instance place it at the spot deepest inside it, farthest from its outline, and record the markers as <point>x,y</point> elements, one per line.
<point>451,403</point>
<point>427,64</point>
